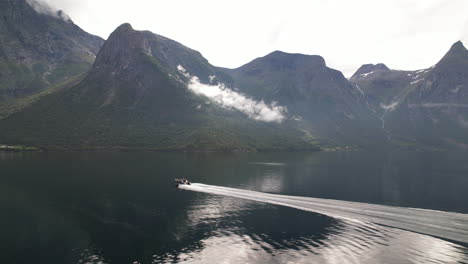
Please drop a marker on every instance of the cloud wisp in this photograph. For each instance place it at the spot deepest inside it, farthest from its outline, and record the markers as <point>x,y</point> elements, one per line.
<point>42,7</point>
<point>229,99</point>
<point>389,107</point>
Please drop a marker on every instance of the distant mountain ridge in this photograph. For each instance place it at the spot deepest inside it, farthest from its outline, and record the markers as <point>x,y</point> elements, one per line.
<point>63,88</point>
<point>427,107</point>
<point>320,98</point>
<point>135,96</point>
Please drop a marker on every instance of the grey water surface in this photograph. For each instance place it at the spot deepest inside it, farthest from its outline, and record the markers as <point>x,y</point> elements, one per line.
<point>318,207</point>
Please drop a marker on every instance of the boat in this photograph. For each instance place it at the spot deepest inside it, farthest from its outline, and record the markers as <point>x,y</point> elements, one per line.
<point>182,181</point>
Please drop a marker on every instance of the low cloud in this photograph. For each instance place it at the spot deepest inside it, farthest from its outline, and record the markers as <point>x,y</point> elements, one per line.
<point>42,7</point>
<point>389,107</point>
<point>229,99</point>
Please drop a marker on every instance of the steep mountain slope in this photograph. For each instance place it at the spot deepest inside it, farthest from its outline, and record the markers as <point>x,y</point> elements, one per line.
<point>136,96</point>
<point>320,99</point>
<point>40,48</point>
<point>425,107</point>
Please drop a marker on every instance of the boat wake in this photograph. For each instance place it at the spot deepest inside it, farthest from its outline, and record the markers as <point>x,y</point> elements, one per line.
<point>444,225</point>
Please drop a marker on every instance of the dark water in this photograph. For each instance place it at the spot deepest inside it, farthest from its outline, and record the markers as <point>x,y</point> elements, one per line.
<point>118,207</point>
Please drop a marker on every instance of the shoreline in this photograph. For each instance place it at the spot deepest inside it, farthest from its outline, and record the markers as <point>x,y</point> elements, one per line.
<point>23,148</point>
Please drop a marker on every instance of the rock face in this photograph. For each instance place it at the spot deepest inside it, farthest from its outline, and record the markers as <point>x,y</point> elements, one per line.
<point>39,48</point>
<point>319,98</point>
<point>428,107</point>
<point>137,96</point>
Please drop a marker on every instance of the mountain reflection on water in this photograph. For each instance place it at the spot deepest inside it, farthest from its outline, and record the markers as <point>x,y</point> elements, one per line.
<point>117,207</point>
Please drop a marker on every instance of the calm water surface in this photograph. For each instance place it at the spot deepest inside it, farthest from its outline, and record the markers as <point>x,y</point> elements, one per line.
<point>122,207</point>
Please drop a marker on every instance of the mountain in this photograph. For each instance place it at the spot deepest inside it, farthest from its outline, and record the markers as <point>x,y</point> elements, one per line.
<point>427,107</point>
<point>381,86</point>
<point>62,88</point>
<point>39,48</point>
<point>320,99</point>
<point>137,95</point>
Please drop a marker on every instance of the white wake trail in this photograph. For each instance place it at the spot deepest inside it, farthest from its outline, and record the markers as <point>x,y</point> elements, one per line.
<point>445,225</point>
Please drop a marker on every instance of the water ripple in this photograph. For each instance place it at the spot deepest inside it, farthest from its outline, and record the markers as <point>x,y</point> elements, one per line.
<point>363,233</point>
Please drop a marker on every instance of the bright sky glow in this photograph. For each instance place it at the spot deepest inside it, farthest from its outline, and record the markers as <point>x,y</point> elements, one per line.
<point>403,34</point>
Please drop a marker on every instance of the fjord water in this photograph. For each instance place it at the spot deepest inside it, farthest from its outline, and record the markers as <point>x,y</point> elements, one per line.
<point>121,207</point>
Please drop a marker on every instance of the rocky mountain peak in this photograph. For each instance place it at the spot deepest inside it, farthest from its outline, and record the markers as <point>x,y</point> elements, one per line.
<point>366,69</point>
<point>120,48</point>
<point>456,52</point>
<point>279,61</point>
<point>127,49</point>
<point>294,59</point>
<point>125,27</point>
<point>458,47</point>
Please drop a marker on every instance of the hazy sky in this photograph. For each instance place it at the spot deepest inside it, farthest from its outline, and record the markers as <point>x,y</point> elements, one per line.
<point>403,34</point>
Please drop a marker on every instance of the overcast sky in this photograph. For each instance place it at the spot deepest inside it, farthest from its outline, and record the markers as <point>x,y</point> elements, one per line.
<point>403,34</point>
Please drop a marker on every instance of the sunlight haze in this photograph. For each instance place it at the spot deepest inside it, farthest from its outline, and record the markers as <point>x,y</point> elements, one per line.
<point>402,34</point>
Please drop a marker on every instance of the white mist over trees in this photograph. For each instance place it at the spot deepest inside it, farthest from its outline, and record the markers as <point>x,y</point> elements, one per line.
<point>230,99</point>
<point>43,8</point>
